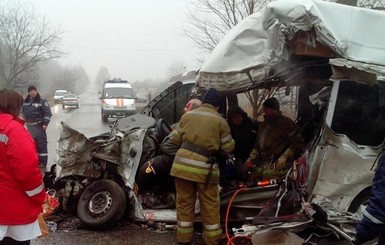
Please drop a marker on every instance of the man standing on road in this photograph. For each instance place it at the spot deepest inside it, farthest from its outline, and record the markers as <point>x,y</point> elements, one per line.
<point>37,114</point>
<point>201,134</point>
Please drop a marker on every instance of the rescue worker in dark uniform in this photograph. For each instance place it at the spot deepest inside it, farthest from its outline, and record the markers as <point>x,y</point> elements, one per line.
<point>244,132</point>
<point>278,144</point>
<point>201,134</point>
<point>372,224</point>
<point>37,114</point>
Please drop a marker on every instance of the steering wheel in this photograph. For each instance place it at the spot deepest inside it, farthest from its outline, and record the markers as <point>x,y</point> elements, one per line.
<point>162,128</point>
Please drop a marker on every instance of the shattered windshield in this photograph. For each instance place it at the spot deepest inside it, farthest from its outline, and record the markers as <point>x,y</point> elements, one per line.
<point>360,113</point>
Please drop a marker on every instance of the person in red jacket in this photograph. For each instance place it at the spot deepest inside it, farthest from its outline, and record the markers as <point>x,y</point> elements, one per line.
<point>22,189</point>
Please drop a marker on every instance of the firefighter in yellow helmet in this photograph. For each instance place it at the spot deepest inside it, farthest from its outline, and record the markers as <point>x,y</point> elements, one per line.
<point>201,134</point>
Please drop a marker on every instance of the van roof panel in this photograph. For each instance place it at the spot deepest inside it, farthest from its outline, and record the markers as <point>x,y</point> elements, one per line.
<point>261,48</point>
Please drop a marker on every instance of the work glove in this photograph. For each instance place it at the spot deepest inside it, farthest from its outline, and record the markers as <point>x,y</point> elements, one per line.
<point>250,162</point>
<point>282,160</point>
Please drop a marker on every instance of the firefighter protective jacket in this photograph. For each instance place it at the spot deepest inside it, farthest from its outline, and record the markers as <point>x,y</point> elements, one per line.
<point>207,129</point>
<point>273,135</point>
<point>22,190</point>
<point>36,110</point>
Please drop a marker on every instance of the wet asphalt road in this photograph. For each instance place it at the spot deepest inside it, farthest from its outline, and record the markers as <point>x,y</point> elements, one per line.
<point>126,234</point>
<point>87,120</point>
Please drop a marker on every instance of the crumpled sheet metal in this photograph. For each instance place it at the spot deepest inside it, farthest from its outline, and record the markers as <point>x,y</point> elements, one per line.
<point>132,147</point>
<point>74,153</point>
<point>158,215</point>
<point>259,44</point>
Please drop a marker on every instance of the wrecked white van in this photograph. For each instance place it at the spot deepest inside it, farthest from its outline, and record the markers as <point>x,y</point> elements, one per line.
<point>331,58</point>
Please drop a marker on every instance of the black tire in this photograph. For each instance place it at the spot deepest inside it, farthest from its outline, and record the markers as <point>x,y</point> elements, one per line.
<point>102,205</point>
<point>361,200</point>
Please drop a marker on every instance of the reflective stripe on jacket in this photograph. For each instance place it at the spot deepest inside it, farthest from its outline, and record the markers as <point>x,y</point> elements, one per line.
<point>375,210</point>
<point>36,110</point>
<point>207,129</point>
<point>273,135</point>
<point>20,178</point>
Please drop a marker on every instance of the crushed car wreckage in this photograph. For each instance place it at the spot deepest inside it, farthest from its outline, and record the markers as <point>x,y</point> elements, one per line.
<point>97,175</point>
<point>336,79</point>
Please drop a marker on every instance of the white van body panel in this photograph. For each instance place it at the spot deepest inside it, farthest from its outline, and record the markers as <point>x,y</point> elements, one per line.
<point>266,49</point>
<point>254,48</point>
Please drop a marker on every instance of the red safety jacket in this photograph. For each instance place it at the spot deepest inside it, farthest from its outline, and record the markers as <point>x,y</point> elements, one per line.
<point>22,189</point>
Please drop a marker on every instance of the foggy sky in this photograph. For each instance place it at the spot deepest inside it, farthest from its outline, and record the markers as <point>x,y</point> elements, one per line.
<point>134,39</point>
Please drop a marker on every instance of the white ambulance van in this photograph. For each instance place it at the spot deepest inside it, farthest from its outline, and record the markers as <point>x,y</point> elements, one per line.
<point>117,99</point>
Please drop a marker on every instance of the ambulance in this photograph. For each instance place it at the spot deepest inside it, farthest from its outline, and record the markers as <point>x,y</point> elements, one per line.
<point>117,99</point>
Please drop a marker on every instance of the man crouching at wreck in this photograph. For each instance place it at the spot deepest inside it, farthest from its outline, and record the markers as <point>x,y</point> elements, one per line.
<point>201,133</point>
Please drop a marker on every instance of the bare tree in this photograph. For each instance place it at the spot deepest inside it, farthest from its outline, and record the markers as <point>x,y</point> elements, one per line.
<point>372,4</point>
<point>210,20</point>
<point>83,81</point>
<point>25,41</point>
<point>103,75</point>
<point>68,77</point>
<point>175,68</point>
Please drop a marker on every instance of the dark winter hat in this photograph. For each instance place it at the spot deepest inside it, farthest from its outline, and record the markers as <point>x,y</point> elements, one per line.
<point>213,97</point>
<point>234,110</point>
<point>271,103</point>
<point>31,87</point>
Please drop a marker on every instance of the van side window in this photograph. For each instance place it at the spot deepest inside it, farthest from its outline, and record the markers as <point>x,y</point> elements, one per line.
<point>170,107</point>
<point>356,113</point>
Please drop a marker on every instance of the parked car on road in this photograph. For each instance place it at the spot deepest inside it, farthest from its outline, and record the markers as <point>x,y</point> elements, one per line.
<point>71,100</point>
<point>58,95</point>
<point>141,98</point>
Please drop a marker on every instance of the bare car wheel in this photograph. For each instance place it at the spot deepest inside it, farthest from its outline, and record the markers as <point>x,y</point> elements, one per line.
<point>102,204</point>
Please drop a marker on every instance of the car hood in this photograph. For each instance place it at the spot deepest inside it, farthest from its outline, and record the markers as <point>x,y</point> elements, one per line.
<point>261,47</point>
<point>122,147</point>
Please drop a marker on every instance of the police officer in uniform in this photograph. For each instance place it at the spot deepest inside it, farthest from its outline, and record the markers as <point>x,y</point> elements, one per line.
<point>201,134</point>
<point>372,224</point>
<point>37,114</point>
